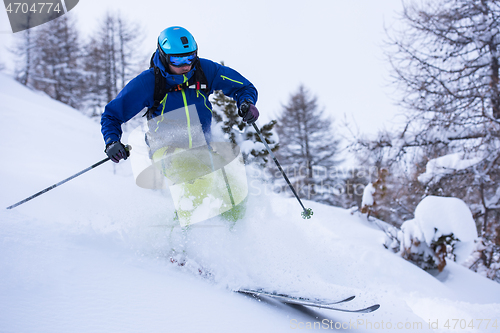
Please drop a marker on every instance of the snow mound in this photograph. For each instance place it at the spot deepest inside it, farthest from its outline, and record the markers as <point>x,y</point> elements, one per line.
<point>441,216</point>
<point>368,193</point>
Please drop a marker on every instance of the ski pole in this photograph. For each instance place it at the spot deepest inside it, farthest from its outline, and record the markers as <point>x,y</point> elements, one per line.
<point>307,213</point>
<point>64,181</point>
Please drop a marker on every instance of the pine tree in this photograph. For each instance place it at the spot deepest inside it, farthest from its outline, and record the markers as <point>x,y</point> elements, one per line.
<point>238,132</point>
<point>308,146</point>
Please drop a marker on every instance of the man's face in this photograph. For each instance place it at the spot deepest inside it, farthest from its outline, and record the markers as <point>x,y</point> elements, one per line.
<point>179,70</point>
<point>181,63</point>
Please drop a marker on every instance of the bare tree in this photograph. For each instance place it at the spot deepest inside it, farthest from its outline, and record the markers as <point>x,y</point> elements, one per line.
<point>24,55</point>
<point>129,38</point>
<point>445,61</point>
<point>58,69</point>
<point>112,59</point>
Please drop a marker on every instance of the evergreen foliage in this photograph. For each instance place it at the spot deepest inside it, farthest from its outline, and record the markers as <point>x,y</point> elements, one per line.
<point>427,257</point>
<point>225,113</point>
<point>309,147</point>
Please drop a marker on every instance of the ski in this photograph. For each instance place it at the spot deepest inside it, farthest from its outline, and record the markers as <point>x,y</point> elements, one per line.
<point>318,303</point>
<point>300,299</point>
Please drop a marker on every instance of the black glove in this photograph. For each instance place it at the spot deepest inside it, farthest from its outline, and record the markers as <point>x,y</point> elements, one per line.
<point>116,151</point>
<point>248,112</point>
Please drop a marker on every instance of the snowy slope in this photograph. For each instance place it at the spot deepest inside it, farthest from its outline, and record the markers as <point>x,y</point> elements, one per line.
<point>93,254</point>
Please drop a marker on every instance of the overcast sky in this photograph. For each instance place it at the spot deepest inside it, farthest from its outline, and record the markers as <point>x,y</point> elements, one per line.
<point>333,47</point>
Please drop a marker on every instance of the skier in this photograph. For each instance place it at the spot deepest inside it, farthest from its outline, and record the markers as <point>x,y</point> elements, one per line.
<point>177,58</point>
<point>184,82</point>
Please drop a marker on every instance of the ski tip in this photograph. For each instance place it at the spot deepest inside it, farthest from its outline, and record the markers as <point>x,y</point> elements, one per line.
<point>370,308</point>
<point>348,299</point>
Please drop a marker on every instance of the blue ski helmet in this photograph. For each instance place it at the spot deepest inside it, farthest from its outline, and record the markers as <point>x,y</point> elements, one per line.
<point>177,46</point>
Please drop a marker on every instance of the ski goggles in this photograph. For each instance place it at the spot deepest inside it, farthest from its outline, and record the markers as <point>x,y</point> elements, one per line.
<point>178,60</point>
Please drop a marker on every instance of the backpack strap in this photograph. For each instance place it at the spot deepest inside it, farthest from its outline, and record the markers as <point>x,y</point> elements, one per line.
<point>160,89</point>
<point>198,81</point>
<point>199,78</point>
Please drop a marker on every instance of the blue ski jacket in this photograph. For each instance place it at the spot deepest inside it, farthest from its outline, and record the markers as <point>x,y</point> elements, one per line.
<point>139,94</point>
